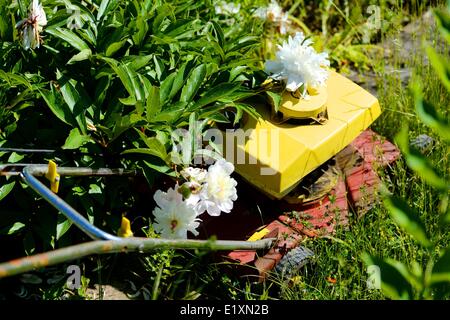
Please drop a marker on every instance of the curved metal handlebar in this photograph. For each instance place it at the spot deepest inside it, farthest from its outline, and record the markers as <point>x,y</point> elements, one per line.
<point>110,243</point>
<point>70,213</point>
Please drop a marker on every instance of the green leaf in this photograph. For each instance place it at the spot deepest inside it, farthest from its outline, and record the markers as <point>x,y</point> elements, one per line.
<point>236,72</point>
<point>137,62</point>
<point>441,270</point>
<point>101,90</point>
<point>75,139</point>
<point>407,219</point>
<point>242,43</point>
<point>152,142</point>
<point>5,189</point>
<point>219,33</point>
<point>170,114</point>
<point>216,93</point>
<point>76,102</point>
<point>83,55</point>
<point>123,124</point>
<point>429,116</point>
<point>166,87</point>
<point>129,79</point>
<point>180,29</point>
<point>419,163</point>
<point>62,226</point>
<point>129,101</point>
<point>443,20</point>
<point>70,37</point>
<point>164,12</point>
<point>15,157</point>
<point>153,105</point>
<point>422,166</point>
<point>392,275</point>
<point>445,218</point>
<point>194,133</point>
<point>105,7</point>
<point>59,108</point>
<point>440,65</point>
<point>114,47</point>
<point>250,110</point>
<point>180,79</point>
<point>4,25</point>
<point>275,99</point>
<point>161,168</point>
<point>159,67</point>
<point>16,228</point>
<point>216,117</point>
<point>15,79</point>
<point>193,83</point>
<point>142,30</point>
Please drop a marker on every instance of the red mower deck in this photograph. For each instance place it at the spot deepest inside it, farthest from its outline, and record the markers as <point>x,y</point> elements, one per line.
<point>355,191</point>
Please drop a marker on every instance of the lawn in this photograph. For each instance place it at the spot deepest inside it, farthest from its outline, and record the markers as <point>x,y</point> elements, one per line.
<point>111,92</point>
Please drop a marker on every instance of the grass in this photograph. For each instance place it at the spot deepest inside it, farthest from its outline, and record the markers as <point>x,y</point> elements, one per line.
<point>339,272</point>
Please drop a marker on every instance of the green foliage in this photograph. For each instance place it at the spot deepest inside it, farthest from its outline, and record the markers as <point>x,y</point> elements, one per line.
<point>109,84</point>
<point>407,219</point>
<point>397,280</point>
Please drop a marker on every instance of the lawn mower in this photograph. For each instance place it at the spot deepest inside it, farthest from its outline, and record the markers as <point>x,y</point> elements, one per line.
<point>315,160</point>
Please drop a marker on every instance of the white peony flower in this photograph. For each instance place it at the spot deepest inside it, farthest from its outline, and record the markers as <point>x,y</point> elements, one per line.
<point>273,13</point>
<point>227,8</point>
<point>173,216</point>
<point>30,28</point>
<point>219,190</point>
<point>38,14</point>
<point>299,64</point>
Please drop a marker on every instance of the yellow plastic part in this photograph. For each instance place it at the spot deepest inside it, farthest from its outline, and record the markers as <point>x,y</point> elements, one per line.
<point>278,156</point>
<point>292,107</point>
<point>259,235</point>
<point>53,176</point>
<point>125,229</point>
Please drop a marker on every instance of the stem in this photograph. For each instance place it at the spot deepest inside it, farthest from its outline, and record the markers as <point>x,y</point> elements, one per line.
<point>156,283</point>
<point>27,264</point>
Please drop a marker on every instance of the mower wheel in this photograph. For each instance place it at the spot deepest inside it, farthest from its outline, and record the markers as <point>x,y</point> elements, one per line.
<point>293,261</point>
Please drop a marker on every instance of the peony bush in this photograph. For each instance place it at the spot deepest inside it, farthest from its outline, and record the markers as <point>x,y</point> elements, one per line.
<point>107,83</point>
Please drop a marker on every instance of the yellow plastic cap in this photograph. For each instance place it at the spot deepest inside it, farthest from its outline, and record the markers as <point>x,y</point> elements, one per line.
<point>293,107</point>
<point>125,228</point>
<point>53,176</point>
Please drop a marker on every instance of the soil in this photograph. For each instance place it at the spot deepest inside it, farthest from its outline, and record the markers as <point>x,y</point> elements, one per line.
<point>109,292</point>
